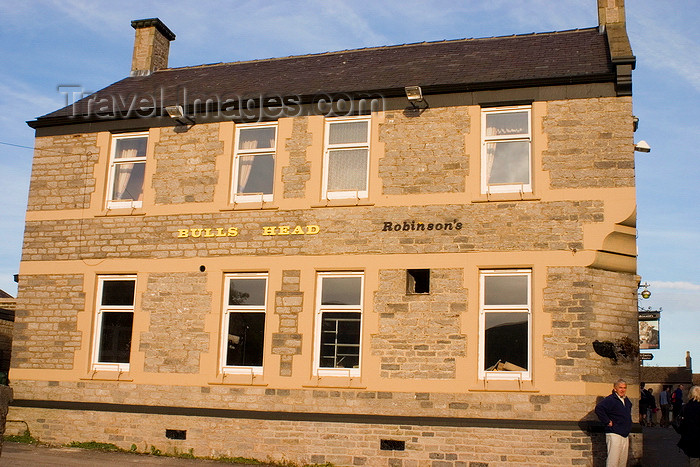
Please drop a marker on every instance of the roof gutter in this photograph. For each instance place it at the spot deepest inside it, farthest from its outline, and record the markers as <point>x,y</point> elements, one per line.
<point>306,99</point>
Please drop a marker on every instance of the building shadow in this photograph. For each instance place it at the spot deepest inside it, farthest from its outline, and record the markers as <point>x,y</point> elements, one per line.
<point>595,430</point>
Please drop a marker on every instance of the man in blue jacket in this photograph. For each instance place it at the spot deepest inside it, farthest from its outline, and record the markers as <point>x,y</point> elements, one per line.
<point>615,411</point>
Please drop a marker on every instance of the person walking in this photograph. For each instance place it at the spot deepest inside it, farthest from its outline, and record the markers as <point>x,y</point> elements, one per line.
<point>615,411</point>
<point>690,427</point>
<point>677,400</point>
<point>664,399</point>
<point>651,409</point>
<point>643,404</point>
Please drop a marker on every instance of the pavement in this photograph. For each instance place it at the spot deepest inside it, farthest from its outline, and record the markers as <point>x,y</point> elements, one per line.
<point>660,450</point>
<point>32,455</point>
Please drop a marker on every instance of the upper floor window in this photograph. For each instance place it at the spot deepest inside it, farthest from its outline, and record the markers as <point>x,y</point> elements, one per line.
<point>346,158</point>
<point>244,323</point>
<point>505,337</point>
<point>506,159</point>
<point>127,170</point>
<point>254,162</point>
<point>339,323</point>
<point>115,317</point>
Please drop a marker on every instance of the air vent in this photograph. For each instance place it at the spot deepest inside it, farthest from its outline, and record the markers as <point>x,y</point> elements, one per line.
<point>176,434</point>
<point>392,445</point>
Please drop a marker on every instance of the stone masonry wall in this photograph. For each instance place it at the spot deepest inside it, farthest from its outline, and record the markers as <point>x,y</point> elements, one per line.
<point>421,149</point>
<point>401,402</point>
<point>177,304</point>
<point>288,304</point>
<point>185,164</point>
<point>590,143</point>
<point>586,305</point>
<point>419,334</point>
<point>298,172</point>
<point>342,444</point>
<point>484,226</point>
<point>45,330</point>
<point>63,172</point>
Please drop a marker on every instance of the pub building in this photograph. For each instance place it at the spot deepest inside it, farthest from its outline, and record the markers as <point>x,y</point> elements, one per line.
<point>394,255</point>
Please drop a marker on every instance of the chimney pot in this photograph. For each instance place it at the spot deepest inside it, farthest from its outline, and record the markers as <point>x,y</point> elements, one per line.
<point>151,46</point>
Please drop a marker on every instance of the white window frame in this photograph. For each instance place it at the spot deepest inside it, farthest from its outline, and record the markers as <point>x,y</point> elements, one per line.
<point>114,162</point>
<point>486,188</point>
<point>227,309</point>
<point>328,147</point>
<point>320,309</point>
<point>99,313</point>
<point>484,309</point>
<point>237,153</point>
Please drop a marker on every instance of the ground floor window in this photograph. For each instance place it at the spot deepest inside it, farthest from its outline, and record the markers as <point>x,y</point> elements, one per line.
<point>505,324</point>
<point>245,306</point>
<point>114,323</point>
<point>339,323</point>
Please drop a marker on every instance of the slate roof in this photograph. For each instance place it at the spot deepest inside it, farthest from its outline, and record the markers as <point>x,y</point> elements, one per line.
<point>566,57</point>
<point>666,374</point>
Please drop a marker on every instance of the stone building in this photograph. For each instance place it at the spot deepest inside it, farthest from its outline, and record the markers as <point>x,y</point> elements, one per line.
<point>657,377</point>
<point>7,318</point>
<point>387,256</point>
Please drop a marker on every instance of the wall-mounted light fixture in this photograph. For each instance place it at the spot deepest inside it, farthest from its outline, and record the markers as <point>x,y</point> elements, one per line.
<point>414,94</point>
<point>177,113</point>
<point>642,146</point>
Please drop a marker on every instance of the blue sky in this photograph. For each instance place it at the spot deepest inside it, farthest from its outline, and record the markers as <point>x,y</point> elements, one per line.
<point>89,44</point>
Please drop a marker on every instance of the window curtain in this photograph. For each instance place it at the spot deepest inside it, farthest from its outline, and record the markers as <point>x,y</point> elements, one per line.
<point>245,167</point>
<point>123,175</point>
<point>490,156</point>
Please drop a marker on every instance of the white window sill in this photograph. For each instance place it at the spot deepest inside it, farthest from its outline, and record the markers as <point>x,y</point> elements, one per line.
<point>243,370</point>
<point>124,204</point>
<point>338,372</point>
<point>511,196</point>
<point>505,376</point>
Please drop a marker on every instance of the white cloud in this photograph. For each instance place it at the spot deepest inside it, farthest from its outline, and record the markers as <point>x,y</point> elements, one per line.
<point>344,15</point>
<point>659,40</point>
<point>678,285</point>
<point>19,95</point>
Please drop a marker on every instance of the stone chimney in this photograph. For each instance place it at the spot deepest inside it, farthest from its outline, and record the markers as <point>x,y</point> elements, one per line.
<point>151,46</point>
<point>688,361</point>
<point>611,12</point>
<point>611,21</point>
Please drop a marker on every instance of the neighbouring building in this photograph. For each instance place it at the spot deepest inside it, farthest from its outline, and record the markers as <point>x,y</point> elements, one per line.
<point>7,319</point>
<point>388,256</point>
<point>656,377</point>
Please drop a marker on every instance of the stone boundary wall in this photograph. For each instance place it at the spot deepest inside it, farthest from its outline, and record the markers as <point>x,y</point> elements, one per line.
<point>342,444</point>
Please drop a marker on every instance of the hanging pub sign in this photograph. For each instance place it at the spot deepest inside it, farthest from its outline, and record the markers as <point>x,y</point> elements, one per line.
<point>649,329</point>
